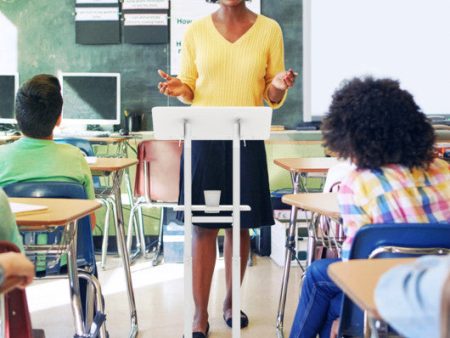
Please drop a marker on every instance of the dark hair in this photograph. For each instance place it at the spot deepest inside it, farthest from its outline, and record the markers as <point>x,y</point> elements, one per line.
<point>38,106</point>
<point>374,122</point>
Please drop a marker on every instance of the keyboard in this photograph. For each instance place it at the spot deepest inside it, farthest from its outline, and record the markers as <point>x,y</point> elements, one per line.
<point>315,125</point>
<point>81,133</point>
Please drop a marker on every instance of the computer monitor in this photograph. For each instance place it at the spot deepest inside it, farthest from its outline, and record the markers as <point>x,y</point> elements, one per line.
<point>9,84</point>
<point>90,98</point>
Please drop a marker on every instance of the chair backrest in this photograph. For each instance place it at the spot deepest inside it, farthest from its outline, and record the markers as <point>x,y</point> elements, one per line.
<point>17,316</point>
<point>158,171</point>
<point>390,240</point>
<point>85,246</point>
<point>83,144</point>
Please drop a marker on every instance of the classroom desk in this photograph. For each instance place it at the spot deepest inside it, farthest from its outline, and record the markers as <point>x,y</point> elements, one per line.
<point>299,169</point>
<point>60,212</point>
<point>116,168</point>
<point>325,204</point>
<point>358,279</point>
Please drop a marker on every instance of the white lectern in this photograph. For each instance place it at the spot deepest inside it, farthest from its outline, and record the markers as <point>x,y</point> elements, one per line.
<point>211,123</point>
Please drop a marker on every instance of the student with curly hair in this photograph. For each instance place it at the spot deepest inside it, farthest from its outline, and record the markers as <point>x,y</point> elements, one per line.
<point>380,128</point>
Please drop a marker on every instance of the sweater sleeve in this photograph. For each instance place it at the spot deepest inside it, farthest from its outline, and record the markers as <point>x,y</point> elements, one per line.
<point>275,64</point>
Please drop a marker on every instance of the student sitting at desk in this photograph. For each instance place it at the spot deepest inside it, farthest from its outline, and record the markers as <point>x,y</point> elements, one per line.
<point>8,228</point>
<point>409,297</point>
<point>380,128</point>
<point>36,157</point>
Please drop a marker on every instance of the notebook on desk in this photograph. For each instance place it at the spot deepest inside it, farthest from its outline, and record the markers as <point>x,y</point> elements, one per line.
<point>91,159</point>
<point>26,209</point>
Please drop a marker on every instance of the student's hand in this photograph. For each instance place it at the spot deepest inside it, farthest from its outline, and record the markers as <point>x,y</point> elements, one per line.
<point>284,80</point>
<point>335,329</point>
<point>17,265</point>
<point>172,86</point>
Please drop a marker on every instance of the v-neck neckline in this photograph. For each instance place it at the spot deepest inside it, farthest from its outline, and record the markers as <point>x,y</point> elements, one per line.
<point>247,32</point>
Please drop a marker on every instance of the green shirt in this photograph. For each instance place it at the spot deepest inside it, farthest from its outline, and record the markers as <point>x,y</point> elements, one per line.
<point>30,159</point>
<point>8,228</point>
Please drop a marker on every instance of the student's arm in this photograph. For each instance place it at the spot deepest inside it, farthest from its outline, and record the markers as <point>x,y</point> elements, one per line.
<point>409,296</point>
<point>16,265</point>
<point>88,185</point>
<point>352,213</point>
<point>8,227</point>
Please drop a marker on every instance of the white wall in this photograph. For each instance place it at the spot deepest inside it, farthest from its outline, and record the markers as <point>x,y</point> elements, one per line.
<point>8,46</point>
<point>408,40</point>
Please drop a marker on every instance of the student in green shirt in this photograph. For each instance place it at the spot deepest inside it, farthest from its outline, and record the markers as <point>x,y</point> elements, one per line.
<point>8,228</point>
<point>36,157</point>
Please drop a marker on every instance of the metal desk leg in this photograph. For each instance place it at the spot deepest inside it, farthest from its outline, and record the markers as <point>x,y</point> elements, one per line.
<point>312,242</point>
<point>73,280</point>
<point>140,242</point>
<point>117,177</point>
<point>290,244</point>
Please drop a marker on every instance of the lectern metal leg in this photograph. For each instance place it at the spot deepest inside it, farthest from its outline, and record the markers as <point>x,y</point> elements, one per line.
<point>188,299</point>
<point>236,268</point>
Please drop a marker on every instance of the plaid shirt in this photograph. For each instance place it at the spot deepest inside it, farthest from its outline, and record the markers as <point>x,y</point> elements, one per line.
<point>394,194</point>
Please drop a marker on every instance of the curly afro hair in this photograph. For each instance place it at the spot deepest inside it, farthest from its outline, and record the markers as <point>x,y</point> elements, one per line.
<point>374,122</point>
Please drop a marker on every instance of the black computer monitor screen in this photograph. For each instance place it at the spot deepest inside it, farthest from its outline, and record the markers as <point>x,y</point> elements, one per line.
<point>91,98</point>
<point>8,88</point>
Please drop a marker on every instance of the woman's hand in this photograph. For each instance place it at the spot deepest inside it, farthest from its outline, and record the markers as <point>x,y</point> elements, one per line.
<point>172,86</point>
<point>280,83</point>
<point>284,80</point>
<point>17,265</point>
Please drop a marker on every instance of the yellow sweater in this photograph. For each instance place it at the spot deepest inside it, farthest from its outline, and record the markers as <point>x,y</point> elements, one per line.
<point>221,73</point>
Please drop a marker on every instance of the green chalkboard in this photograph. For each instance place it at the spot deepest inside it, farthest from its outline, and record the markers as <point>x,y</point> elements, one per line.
<point>46,44</point>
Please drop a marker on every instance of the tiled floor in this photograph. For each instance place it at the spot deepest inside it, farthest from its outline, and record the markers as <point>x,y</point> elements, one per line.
<point>159,301</point>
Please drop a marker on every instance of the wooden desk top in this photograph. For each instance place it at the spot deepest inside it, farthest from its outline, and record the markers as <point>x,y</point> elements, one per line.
<point>359,277</point>
<point>59,212</point>
<point>322,203</point>
<point>307,164</point>
<point>111,164</point>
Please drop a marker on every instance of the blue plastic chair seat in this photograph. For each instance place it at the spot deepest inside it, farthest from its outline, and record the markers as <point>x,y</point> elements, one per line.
<point>374,236</point>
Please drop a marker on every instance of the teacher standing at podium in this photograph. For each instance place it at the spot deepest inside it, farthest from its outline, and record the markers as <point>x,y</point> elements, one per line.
<point>233,57</point>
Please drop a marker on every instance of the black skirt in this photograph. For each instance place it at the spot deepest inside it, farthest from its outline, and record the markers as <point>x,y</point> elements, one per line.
<point>212,163</point>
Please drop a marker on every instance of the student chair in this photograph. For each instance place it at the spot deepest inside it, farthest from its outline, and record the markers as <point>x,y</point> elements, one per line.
<point>156,185</point>
<point>102,193</point>
<point>85,246</point>
<point>445,310</point>
<point>387,241</point>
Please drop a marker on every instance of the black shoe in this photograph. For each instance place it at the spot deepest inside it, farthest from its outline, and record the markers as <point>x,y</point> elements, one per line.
<point>201,334</point>
<point>244,320</point>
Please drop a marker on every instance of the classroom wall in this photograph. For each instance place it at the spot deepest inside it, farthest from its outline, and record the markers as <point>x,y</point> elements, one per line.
<point>45,43</point>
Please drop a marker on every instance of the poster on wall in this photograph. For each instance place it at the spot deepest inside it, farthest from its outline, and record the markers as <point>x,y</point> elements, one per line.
<point>183,12</point>
<point>145,21</point>
<point>97,22</point>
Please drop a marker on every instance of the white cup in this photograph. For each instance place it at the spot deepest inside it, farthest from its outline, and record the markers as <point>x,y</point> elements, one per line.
<point>212,198</point>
